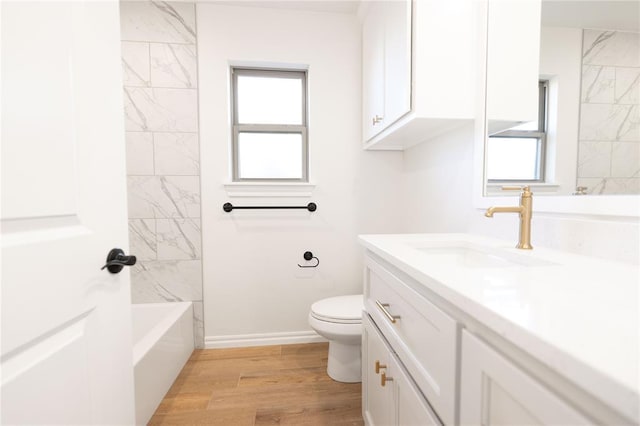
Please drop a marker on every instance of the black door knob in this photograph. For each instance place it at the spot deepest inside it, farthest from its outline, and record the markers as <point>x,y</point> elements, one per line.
<point>116,260</point>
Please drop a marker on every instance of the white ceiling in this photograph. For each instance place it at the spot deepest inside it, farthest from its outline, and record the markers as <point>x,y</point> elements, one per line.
<point>609,15</point>
<point>332,6</point>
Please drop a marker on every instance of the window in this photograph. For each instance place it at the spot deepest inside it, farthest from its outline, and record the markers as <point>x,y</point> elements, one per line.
<point>518,154</point>
<point>269,125</point>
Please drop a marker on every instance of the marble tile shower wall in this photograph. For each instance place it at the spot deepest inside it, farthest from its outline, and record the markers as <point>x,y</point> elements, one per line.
<point>163,160</point>
<point>609,147</point>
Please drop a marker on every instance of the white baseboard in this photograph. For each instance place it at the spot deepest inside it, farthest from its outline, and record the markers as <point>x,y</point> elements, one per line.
<point>264,339</point>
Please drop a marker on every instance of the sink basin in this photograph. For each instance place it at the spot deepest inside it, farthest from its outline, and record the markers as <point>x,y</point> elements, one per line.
<point>475,256</point>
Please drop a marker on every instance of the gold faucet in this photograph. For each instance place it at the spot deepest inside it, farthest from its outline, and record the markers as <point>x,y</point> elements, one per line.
<point>524,210</point>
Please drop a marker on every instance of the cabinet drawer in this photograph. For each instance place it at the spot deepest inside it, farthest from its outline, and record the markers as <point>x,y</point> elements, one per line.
<point>424,337</point>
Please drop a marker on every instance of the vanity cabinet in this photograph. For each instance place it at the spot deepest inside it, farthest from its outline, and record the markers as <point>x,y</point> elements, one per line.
<point>418,68</point>
<point>423,337</point>
<point>494,391</point>
<point>389,397</point>
<point>473,341</point>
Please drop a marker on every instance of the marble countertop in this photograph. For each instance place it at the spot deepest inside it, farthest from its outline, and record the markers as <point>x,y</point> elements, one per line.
<point>576,314</point>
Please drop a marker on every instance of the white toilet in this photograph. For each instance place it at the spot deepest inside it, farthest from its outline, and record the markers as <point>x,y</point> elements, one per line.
<point>339,320</point>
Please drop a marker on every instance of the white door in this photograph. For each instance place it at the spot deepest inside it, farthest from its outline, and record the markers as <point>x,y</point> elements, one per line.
<point>66,331</point>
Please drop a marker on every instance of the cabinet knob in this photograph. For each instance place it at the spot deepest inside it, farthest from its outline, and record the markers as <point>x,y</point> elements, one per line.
<point>384,379</point>
<point>379,366</point>
<point>377,119</point>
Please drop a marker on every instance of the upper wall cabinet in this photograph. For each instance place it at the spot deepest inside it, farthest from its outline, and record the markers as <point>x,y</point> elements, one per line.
<point>418,68</point>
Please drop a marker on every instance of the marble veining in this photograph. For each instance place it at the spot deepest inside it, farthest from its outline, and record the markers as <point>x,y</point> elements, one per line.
<point>158,21</point>
<point>166,281</point>
<point>598,84</point>
<point>176,154</point>
<point>142,238</point>
<point>173,65</point>
<point>135,64</point>
<point>163,196</point>
<point>178,238</point>
<point>161,109</point>
<point>627,89</point>
<point>612,48</point>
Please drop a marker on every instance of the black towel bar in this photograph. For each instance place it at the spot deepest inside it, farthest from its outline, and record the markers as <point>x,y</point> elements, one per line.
<point>227,207</point>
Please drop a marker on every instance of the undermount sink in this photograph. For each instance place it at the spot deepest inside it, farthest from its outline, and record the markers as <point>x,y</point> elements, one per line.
<point>475,256</point>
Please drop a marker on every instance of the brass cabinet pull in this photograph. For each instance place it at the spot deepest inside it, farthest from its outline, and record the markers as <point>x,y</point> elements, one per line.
<point>379,366</point>
<point>386,313</point>
<point>384,379</point>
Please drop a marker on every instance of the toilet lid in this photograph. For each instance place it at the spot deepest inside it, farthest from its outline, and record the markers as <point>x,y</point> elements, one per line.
<point>346,309</point>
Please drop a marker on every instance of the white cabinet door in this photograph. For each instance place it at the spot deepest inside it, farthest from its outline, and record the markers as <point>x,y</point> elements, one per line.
<point>386,65</point>
<point>373,70</point>
<point>493,391</point>
<point>66,331</point>
<point>411,408</point>
<point>397,60</point>
<point>377,400</point>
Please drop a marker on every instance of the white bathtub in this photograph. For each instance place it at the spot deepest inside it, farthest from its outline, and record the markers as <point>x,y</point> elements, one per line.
<point>162,344</point>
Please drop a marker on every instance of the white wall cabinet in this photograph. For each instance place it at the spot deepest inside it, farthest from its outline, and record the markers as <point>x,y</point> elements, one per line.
<point>417,70</point>
<point>496,392</point>
<point>389,396</point>
<point>386,42</point>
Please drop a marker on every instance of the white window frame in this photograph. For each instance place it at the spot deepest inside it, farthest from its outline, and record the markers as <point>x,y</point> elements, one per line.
<point>238,128</point>
<point>540,134</point>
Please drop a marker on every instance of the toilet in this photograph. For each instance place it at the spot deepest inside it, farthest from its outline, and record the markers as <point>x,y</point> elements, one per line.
<point>339,320</point>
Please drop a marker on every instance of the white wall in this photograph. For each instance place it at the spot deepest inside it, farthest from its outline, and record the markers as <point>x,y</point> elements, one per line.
<point>252,284</point>
<point>439,177</point>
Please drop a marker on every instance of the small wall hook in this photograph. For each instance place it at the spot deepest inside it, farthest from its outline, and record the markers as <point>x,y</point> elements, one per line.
<point>308,256</point>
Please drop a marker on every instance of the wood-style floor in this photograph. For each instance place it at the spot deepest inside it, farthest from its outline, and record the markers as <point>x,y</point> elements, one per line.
<point>268,385</point>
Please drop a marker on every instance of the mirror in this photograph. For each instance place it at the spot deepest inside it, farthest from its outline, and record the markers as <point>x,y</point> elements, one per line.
<point>563,97</point>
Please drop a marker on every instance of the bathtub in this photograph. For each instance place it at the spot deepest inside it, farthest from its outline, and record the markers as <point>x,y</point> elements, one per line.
<point>162,344</point>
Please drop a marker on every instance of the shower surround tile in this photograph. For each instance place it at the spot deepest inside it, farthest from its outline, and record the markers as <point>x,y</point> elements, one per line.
<point>174,65</point>
<point>159,60</point>
<point>198,324</point>
<point>158,21</point>
<point>611,186</point>
<point>611,48</point>
<point>598,84</point>
<point>161,110</point>
<point>625,160</point>
<point>135,64</point>
<point>166,281</point>
<point>177,154</point>
<point>179,239</point>
<point>609,122</point>
<point>163,196</point>
<point>142,238</point>
<point>627,86</point>
<point>139,153</point>
<point>594,159</point>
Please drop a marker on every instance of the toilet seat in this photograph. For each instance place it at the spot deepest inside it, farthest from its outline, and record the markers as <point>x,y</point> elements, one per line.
<point>339,310</point>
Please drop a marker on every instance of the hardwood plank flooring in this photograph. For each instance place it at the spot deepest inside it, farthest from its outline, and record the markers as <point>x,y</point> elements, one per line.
<point>259,386</point>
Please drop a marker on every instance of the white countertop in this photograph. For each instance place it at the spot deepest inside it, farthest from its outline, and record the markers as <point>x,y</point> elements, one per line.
<point>576,314</point>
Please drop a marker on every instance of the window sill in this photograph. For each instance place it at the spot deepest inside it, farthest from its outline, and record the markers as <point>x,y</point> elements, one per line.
<point>494,189</point>
<point>269,189</point>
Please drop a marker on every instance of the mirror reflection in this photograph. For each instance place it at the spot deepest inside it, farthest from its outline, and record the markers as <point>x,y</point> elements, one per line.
<point>563,93</point>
